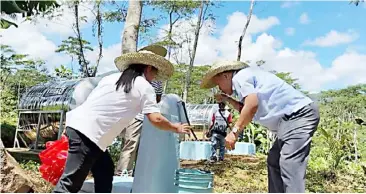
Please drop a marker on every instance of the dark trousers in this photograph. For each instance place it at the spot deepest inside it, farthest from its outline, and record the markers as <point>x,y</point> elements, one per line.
<point>287,159</point>
<point>218,141</point>
<point>84,156</point>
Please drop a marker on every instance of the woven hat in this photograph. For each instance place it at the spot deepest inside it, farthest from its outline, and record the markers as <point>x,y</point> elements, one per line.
<point>219,67</point>
<point>150,55</point>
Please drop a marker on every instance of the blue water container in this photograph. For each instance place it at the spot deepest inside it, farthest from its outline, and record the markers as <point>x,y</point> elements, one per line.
<point>195,150</point>
<point>194,181</point>
<point>242,148</point>
<point>158,153</point>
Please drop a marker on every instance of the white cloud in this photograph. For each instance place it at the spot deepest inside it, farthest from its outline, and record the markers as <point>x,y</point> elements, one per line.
<point>109,54</point>
<point>303,65</point>
<point>290,31</point>
<point>333,38</point>
<point>289,4</point>
<point>351,67</point>
<point>27,39</point>
<point>224,46</point>
<point>304,18</point>
<point>31,37</point>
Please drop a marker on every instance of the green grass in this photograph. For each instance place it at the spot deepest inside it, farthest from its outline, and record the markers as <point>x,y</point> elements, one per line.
<point>243,174</point>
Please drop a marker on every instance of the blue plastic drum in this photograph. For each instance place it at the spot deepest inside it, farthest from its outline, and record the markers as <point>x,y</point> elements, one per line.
<point>194,181</point>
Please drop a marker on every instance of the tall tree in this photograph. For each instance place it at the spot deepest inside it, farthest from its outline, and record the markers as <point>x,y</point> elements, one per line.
<point>81,56</point>
<point>97,24</point>
<point>245,29</point>
<point>71,46</point>
<point>131,27</point>
<point>203,15</point>
<point>11,62</point>
<point>175,10</point>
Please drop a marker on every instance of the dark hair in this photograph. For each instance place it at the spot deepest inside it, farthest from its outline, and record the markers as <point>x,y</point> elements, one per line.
<point>129,75</point>
<point>221,104</point>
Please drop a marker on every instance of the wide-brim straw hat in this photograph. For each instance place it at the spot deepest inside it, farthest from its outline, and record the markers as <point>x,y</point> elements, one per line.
<point>219,67</point>
<point>150,55</point>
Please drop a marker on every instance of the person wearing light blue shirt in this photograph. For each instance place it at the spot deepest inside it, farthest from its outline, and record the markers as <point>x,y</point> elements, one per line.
<point>267,99</point>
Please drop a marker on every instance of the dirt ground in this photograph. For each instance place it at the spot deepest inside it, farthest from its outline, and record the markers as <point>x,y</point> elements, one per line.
<point>248,174</point>
<point>235,174</point>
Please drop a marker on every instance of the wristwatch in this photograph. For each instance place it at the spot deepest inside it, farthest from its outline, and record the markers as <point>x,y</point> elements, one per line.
<point>235,130</point>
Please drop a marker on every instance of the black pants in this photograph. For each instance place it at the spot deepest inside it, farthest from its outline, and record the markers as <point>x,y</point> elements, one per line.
<point>83,156</point>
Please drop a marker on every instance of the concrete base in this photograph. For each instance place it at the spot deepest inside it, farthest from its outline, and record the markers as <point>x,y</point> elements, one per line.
<point>198,150</point>
<point>195,150</point>
<point>242,148</point>
<point>120,185</point>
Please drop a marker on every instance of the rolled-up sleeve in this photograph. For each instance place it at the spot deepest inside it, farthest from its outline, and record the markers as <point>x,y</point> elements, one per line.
<point>244,83</point>
<point>148,101</point>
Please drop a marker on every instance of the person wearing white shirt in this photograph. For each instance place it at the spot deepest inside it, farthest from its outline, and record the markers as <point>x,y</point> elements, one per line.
<point>109,108</point>
<point>131,134</point>
<point>270,101</point>
<point>221,120</point>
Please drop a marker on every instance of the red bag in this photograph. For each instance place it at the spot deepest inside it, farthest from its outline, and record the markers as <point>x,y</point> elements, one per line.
<point>53,159</point>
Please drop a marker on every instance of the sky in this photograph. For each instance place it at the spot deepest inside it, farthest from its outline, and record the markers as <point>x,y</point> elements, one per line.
<point>322,44</point>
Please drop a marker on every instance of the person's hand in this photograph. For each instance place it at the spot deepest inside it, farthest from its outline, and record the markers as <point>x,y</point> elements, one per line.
<point>221,97</point>
<point>183,128</point>
<point>230,141</point>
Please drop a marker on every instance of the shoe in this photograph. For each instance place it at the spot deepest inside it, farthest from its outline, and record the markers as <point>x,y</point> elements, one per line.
<point>213,159</point>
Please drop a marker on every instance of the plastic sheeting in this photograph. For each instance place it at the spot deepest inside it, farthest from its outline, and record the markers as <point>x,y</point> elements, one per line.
<point>196,150</point>
<point>60,94</point>
<point>158,154</point>
<point>201,114</point>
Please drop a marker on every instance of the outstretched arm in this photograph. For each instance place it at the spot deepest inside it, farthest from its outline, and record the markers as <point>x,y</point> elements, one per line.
<point>161,122</point>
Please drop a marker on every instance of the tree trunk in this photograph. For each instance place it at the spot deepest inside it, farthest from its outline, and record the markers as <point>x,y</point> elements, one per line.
<point>245,29</point>
<point>131,29</point>
<point>193,55</point>
<point>100,40</point>
<point>169,46</point>
<point>82,60</point>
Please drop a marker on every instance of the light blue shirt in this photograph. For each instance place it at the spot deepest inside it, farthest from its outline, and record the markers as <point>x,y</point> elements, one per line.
<point>276,98</point>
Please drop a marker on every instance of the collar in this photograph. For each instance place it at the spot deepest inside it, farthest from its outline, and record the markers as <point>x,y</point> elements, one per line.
<point>143,75</point>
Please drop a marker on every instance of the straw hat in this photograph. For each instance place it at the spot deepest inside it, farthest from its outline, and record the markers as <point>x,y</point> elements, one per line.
<point>219,67</point>
<point>150,55</point>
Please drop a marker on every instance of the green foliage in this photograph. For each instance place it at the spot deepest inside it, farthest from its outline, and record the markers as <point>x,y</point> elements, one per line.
<point>174,11</point>
<point>63,72</point>
<point>26,8</point>
<point>71,46</point>
<point>30,165</point>
<point>115,149</point>
<point>196,94</point>
<point>18,72</point>
<point>288,79</point>
<point>119,13</point>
